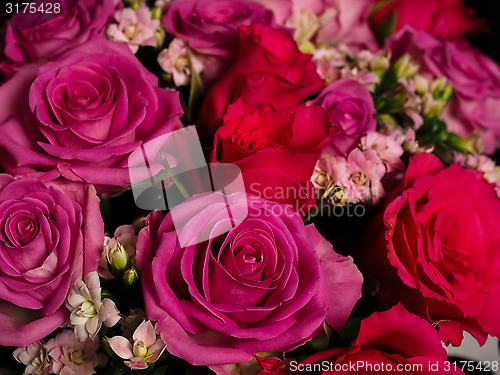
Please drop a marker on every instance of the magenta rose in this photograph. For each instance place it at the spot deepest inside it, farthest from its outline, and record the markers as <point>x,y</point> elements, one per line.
<point>87,112</point>
<point>62,33</point>
<point>474,77</point>
<point>350,107</point>
<point>210,28</point>
<point>437,249</point>
<point>259,284</point>
<point>51,233</point>
<point>388,342</point>
<point>448,19</point>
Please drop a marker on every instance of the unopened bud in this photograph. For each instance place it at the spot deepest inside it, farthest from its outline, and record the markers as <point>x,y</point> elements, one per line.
<point>432,108</point>
<point>118,259</point>
<point>422,84</point>
<point>156,13</point>
<point>160,36</point>
<point>380,63</point>
<point>438,86</point>
<point>130,277</point>
<point>447,93</point>
<point>404,67</point>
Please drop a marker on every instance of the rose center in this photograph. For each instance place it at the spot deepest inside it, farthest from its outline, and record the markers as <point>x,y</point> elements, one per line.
<point>21,228</point>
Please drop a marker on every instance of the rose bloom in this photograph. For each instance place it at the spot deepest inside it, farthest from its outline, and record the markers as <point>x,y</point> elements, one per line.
<point>210,28</point>
<point>350,107</point>
<point>474,77</point>
<point>275,150</point>
<point>87,112</point>
<point>438,254</point>
<point>448,19</point>
<point>334,21</point>
<point>258,284</point>
<point>388,342</point>
<point>269,70</point>
<point>62,33</point>
<point>51,233</point>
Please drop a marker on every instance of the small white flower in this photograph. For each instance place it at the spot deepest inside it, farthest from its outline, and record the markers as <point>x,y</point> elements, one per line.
<point>146,347</point>
<point>175,60</point>
<point>88,312</point>
<point>135,27</point>
<point>34,357</point>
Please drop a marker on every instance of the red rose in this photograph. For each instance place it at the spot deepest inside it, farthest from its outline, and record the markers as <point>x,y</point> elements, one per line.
<point>449,19</point>
<point>388,342</point>
<point>275,150</point>
<point>439,253</point>
<point>269,69</point>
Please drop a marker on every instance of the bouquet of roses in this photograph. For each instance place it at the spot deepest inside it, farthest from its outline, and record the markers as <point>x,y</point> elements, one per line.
<point>246,186</point>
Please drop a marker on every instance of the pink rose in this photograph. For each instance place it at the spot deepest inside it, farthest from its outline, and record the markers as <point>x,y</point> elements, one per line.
<point>474,77</point>
<point>210,28</point>
<point>448,19</point>
<point>62,33</point>
<point>350,107</point>
<point>261,286</point>
<point>340,21</point>
<point>51,234</point>
<point>439,254</point>
<point>380,348</point>
<point>87,112</point>
<point>269,70</point>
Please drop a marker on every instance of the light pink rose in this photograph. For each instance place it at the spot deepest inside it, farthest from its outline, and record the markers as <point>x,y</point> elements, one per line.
<point>474,77</point>
<point>82,115</point>
<point>342,21</point>
<point>51,234</point>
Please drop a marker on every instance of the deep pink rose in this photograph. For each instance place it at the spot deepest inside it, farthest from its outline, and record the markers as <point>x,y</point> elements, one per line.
<point>350,107</point>
<point>269,70</point>
<point>439,253</point>
<point>210,28</point>
<point>474,77</point>
<point>87,112</point>
<point>275,150</point>
<point>448,19</point>
<point>388,342</point>
<point>51,233</point>
<point>343,21</point>
<point>261,285</point>
<point>62,33</point>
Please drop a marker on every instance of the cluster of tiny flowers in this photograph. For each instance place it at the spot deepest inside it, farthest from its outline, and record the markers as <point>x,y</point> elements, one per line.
<point>64,354</point>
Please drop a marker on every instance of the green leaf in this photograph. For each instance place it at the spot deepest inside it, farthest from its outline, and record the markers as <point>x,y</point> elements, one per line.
<point>197,93</point>
<point>386,28</point>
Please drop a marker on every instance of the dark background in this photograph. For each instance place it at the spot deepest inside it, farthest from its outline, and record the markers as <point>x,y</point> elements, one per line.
<point>490,10</point>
